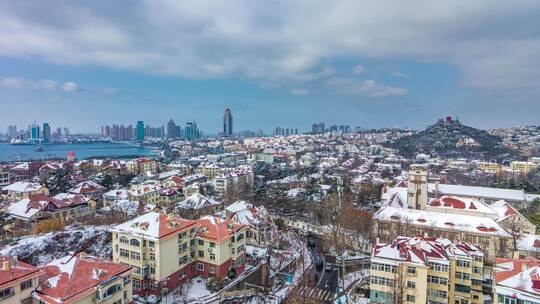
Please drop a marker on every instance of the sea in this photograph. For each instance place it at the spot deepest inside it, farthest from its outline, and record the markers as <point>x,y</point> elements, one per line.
<point>10,152</point>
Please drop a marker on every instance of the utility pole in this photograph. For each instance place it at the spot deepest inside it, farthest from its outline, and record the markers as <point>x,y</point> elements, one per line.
<point>340,193</point>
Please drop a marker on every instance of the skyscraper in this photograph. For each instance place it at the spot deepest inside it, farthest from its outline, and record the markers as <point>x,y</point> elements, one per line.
<point>46,132</point>
<point>34,132</point>
<point>191,131</point>
<point>227,122</point>
<point>140,130</point>
<point>171,129</point>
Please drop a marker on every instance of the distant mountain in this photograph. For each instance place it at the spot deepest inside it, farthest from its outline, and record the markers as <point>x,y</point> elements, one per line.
<point>450,138</point>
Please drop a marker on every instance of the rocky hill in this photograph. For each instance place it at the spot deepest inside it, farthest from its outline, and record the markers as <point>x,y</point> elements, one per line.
<point>450,138</point>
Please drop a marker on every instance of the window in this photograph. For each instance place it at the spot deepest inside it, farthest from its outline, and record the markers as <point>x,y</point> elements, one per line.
<point>124,253</point>
<point>201,254</point>
<point>464,264</point>
<point>462,288</point>
<point>212,245</point>
<point>152,257</point>
<point>383,267</point>
<point>462,276</point>
<point>437,280</point>
<point>411,270</point>
<point>201,242</point>
<point>111,291</point>
<point>152,270</point>
<point>382,281</point>
<point>134,242</point>
<point>153,286</point>
<point>200,266</point>
<point>477,258</point>
<point>437,293</point>
<point>6,293</point>
<point>124,240</point>
<point>240,237</point>
<point>26,284</point>
<point>182,247</point>
<point>134,255</point>
<point>477,269</point>
<point>212,270</point>
<point>475,282</point>
<point>151,244</point>
<point>410,298</point>
<point>411,284</point>
<point>127,280</point>
<point>212,257</point>
<point>438,267</point>
<point>136,285</point>
<point>241,249</point>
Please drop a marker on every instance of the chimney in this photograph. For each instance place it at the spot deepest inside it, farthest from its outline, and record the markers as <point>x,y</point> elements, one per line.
<point>5,265</point>
<point>524,266</point>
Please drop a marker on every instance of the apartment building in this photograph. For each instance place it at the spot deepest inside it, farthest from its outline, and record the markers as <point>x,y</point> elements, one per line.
<point>426,270</point>
<point>261,229</point>
<point>210,170</point>
<point>80,278</point>
<point>197,205</point>
<point>17,281</point>
<point>166,250</point>
<point>233,181</point>
<point>142,165</point>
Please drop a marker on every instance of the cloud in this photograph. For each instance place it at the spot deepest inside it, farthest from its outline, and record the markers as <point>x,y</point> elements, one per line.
<point>70,87</point>
<point>493,46</point>
<point>367,88</point>
<point>359,69</point>
<point>300,91</point>
<point>20,83</point>
<point>108,91</point>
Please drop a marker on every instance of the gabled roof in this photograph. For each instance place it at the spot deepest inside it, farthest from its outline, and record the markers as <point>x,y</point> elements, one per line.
<point>87,187</point>
<point>17,271</point>
<point>197,201</point>
<point>73,277</point>
<point>154,225</point>
<point>217,229</point>
<point>22,187</point>
<point>503,209</point>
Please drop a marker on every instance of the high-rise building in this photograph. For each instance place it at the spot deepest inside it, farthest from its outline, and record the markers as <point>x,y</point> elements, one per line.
<point>171,129</point>
<point>46,132</point>
<point>140,130</point>
<point>228,123</point>
<point>12,131</point>
<point>34,132</point>
<point>191,132</point>
<point>315,128</point>
<point>66,131</point>
<point>322,129</point>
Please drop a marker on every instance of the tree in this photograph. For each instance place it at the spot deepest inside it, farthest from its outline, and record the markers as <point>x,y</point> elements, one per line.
<point>107,181</point>
<point>59,182</point>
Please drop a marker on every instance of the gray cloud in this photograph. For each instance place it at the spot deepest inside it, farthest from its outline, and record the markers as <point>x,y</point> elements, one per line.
<point>494,45</point>
<point>368,88</point>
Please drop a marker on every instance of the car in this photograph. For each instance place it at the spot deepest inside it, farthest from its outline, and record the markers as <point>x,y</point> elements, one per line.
<point>328,267</point>
<point>319,264</point>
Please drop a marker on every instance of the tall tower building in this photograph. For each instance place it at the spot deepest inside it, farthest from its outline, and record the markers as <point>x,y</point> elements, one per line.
<point>34,132</point>
<point>46,132</point>
<point>228,123</point>
<point>171,129</point>
<point>140,130</point>
<point>418,188</point>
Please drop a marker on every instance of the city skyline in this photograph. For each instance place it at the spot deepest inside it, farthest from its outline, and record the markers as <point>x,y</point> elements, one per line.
<point>452,59</point>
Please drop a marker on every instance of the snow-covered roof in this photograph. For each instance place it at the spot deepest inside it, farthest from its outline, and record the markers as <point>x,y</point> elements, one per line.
<point>22,187</point>
<point>461,203</point>
<point>153,225</point>
<point>503,209</point>
<point>16,271</point>
<point>467,223</point>
<point>239,205</point>
<point>518,278</point>
<point>87,187</point>
<point>197,201</point>
<point>422,250</point>
<point>76,276</point>
<point>475,191</point>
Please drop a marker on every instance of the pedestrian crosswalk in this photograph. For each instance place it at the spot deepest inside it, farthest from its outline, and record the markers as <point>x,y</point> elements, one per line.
<point>314,293</point>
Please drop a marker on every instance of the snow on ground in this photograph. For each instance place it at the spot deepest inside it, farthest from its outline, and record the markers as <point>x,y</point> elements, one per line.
<point>193,290</point>
<point>42,249</point>
<point>353,277</point>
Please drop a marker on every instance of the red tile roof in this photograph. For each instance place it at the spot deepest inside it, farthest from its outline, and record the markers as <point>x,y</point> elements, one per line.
<point>16,271</point>
<point>74,277</point>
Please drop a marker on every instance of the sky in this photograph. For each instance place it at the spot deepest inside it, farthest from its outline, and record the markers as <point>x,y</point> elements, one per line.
<point>81,64</point>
